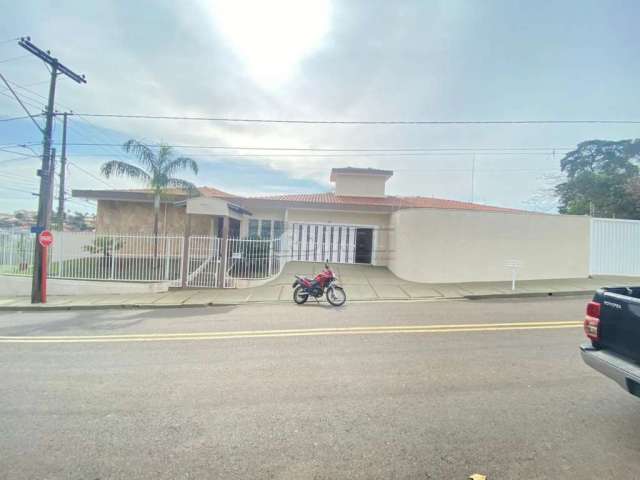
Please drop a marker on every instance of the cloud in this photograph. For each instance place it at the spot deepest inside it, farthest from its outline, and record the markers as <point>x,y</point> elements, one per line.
<point>453,60</point>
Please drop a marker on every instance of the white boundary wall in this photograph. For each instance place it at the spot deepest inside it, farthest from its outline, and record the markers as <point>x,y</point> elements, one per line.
<point>615,247</point>
<point>436,245</point>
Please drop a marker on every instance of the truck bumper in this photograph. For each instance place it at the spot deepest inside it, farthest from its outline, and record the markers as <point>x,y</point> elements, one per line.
<point>622,371</point>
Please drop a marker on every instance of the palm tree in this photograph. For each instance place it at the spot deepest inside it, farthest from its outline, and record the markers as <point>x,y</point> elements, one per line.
<point>156,170</point>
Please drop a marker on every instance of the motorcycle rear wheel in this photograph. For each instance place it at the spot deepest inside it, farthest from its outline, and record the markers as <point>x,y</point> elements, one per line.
<point>336,296</point>
<point>300,296</point>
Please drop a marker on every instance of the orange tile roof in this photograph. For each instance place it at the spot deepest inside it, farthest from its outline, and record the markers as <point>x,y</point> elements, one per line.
<point>214,192</point>
<point>204,191</point>
<point>330,198</point>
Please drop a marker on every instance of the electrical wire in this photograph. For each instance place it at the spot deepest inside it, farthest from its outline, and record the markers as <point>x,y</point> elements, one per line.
<point>18,153</point>
<point>3,187</point>
<point>315,149</point>
<point>13,159</point>
<point>11,119</point>
<point>2,42</point>
<point>14,58</point>
<point>360,122</point>
<point>90,174</point>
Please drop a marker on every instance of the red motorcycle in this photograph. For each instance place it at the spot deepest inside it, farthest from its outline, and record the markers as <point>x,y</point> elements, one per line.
<point>323,284</point>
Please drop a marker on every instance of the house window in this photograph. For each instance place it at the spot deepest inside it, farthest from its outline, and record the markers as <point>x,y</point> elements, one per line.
<point>265,229</point>
<point>253,227</point>
<point>278,228</point>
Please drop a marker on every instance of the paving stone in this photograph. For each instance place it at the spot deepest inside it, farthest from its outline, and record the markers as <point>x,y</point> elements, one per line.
<point>265,294</point>
<point>419,290</point>
<point>390,292</point>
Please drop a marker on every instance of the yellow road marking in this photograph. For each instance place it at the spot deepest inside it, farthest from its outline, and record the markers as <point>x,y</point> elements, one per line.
<point>364,330</point>
<point>297,330</point>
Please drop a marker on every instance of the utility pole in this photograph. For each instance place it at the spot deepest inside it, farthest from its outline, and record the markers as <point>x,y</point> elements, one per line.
<point>45,172</point>
<point>63,172</point>
<point>52,175</point>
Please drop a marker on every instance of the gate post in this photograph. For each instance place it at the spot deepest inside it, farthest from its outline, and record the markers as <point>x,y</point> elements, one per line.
<point>222,269</point>
<point>185,251</point>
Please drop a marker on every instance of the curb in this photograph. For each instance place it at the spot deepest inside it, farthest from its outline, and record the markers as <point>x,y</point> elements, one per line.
<point>152,306</point>
<point>566,293</point>
<point>155,306</point>
<point>107,306</point>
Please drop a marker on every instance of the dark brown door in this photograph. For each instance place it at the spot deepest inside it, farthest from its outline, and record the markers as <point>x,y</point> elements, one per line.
<point>364,245</point>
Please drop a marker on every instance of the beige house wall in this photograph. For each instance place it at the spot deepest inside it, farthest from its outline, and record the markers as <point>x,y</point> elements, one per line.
<point>137,218</point>
<point>378,221</point>
<point>360,185</point>
<point>430,245</point>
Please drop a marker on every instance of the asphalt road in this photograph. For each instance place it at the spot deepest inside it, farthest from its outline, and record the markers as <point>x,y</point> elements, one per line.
<point>404,390</point>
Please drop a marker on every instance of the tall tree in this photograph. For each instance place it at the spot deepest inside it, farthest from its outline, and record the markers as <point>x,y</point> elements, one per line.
<point>602,178</point>
<point>155,170</point>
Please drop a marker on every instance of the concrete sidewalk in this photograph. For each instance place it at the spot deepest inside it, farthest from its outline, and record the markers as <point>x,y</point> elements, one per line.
<point>362,283</point>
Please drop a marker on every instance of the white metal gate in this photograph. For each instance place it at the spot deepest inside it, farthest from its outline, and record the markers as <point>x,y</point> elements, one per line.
<point>615,247</point>
<point>203,261</point>
<point>320,242</point>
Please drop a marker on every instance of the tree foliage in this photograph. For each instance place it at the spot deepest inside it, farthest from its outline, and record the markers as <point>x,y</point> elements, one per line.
<point>77,222</point>
<point>602,178</point>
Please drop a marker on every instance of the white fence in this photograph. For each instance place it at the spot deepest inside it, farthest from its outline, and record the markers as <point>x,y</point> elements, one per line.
<point>615,247</point>
<point>91,256</point>
<point>254,259</point>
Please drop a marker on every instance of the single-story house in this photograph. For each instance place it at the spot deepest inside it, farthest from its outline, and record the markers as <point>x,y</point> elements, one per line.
<point>422,239</point>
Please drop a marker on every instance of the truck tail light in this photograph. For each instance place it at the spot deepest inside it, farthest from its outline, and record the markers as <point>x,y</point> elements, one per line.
<point>592,321</point>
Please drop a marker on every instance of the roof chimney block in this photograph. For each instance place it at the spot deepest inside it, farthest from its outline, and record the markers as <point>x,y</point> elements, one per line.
<point>360,182</point>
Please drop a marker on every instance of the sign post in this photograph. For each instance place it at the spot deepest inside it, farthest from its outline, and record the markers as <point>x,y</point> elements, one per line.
<point>514,265</point>
<point>45,239</point>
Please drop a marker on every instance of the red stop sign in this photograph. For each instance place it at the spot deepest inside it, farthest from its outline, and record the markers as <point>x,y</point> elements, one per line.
<point>45,238</point>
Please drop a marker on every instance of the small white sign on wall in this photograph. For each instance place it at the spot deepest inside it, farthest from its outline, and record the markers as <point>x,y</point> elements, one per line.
<point>514,265</point>
<point>236,255</point>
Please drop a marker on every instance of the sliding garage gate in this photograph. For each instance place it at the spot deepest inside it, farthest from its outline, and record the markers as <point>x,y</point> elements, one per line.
<point>336,243</point>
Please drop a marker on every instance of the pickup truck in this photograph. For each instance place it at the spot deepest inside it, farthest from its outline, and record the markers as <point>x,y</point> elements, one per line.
<point>612,323</point>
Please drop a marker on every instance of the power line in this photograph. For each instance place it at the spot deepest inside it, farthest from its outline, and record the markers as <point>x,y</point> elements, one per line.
<point>35,101</point>
<point>361,122</point>
<point>13,159</point>
<point>56,118</point>
<point>14,58</point>
<point>2,187</point>
<point>31,103</point>
<point>315,149</point>
<point>24,87</point>
<point>19,100</point>
<point>18,153</point>
<point>222,156</point>
<point>23,117</point>
<point>91,175</point>
<point>2,42</point>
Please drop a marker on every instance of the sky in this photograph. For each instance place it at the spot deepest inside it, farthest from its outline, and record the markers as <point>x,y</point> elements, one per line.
<point>329,60</point>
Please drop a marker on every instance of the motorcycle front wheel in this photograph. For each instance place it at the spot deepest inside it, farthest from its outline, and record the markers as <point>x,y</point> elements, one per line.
<point>336,296</point>
<point>300,296</point>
